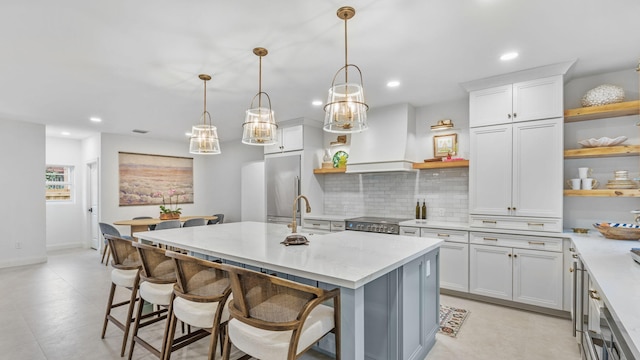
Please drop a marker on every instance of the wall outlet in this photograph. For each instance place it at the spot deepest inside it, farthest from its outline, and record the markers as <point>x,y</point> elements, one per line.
<point>18,245</point>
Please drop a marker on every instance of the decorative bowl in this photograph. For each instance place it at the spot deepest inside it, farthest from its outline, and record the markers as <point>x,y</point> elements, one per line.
<point>619,231</point>
<point>603,141</point>
<point>603,95</point>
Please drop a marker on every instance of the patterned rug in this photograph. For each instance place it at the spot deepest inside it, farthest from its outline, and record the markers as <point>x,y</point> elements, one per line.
<point>451,320</point>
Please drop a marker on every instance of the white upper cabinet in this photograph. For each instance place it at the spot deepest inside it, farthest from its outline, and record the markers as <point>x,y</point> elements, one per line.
<point>522,101</point>
<point>290,138</point>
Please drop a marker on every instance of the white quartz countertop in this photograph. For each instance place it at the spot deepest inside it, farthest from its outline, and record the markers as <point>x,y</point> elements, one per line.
<point>611,267</point>
<point>347,258</point>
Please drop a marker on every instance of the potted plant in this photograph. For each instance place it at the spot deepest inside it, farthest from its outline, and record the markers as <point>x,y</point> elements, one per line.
<point>169,213</point>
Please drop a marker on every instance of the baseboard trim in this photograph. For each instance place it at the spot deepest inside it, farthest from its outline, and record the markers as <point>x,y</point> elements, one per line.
<point>512,304</point>
<point>65,246</point>
<point>23,262</point>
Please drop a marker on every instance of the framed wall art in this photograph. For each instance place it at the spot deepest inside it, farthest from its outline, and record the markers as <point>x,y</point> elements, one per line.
<point>146,179</point>
<point>444,145</point>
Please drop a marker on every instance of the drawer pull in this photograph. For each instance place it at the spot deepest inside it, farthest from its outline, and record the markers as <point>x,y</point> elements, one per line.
<point>409,232</point>
<point>575,256</point>
<point>444,235</point>
<point>594,295</point>
<point>536,243</point>
<point>509,255</point>
<point>535,224</point>
<point>572,249</point>
<point>491,239</point>
<point>316,224</point>
<point>488,221</point>
<point>571,269</point>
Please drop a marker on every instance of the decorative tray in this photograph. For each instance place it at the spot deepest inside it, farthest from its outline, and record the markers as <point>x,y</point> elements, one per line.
<point>618,231</point>
<point>295,240</point>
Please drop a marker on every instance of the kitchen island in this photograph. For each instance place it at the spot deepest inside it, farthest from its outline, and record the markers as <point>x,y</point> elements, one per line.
<point>388,283</point>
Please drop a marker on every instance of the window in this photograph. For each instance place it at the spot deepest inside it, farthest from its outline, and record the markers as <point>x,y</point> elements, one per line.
<point>59,183</point>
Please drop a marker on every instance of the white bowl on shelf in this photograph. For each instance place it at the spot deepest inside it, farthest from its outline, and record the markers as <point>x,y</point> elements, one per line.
<point>603,141</point>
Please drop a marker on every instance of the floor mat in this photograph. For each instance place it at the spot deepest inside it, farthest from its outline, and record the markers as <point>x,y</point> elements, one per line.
<point>451,320</point>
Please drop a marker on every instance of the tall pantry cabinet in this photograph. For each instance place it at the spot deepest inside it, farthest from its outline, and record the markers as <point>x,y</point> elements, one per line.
<point>515,187</point>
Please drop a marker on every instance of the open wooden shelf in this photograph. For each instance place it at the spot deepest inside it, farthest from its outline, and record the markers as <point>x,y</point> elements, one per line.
<point>602,112</point>
<point>441,164</point>
<point>604,193</point>
<point>330,171</point>
<point>417,166</point>
<point>606,151</point>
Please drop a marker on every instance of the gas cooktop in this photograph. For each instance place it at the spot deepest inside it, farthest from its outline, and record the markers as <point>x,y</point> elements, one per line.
<point>374,224</point>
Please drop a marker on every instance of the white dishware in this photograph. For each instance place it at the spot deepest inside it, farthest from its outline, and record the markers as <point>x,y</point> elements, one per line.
<point>621,175</point>
<point>584,172</point>
<point>603,141</point>
<point>589,183</point>
<point>574,184</point>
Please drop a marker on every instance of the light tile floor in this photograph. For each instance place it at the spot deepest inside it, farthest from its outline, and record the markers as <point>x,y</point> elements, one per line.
<point>55,311</point>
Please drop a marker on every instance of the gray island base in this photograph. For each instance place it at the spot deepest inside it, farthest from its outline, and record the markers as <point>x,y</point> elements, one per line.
<point>389,284</point>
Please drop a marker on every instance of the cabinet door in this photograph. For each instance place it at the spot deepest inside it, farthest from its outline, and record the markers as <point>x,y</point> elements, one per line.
<point>538,99</point>
<point>537,278</point>
<point>490,106</point>
<point>292,138</point>
<point>490,170</point>
<point>538,168</point>
<point>454,266</point>
<point>490,271</point>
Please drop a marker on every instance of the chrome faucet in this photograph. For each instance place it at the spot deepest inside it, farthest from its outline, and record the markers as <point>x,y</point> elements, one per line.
<point>294,225</point>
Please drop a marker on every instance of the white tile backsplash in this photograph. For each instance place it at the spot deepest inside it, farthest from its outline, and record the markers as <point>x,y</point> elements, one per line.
<point>395,194</point>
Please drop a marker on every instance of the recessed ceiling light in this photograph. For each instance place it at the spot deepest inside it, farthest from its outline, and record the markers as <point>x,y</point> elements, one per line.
<point>95,119</point>
<point>316,102</point>
<point>65,133</point>
<point>393,84</point>
<point>509,56</point>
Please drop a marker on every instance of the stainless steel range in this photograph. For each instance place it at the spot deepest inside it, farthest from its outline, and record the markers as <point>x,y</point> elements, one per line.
<point>374,224</point>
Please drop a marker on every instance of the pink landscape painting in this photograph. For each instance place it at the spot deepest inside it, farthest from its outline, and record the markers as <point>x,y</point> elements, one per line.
<point>155,180</point>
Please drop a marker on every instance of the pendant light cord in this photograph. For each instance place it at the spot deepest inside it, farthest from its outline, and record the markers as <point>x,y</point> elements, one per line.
<point>260,84</point>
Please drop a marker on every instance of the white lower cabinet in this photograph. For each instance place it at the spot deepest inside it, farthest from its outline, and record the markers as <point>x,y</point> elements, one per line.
<point>524,272</point>
<point>454,258</point>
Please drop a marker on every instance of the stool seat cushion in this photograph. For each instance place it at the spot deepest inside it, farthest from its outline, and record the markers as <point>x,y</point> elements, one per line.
<point>125,278</point>
<point>158,294</point>
<point>198,314</point>
<point>274,345</point>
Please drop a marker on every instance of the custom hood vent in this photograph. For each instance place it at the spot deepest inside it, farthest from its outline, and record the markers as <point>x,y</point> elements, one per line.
<point>388,145</point>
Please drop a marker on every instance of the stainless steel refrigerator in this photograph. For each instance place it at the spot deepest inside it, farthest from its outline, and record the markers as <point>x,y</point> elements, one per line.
<point>282,176</point>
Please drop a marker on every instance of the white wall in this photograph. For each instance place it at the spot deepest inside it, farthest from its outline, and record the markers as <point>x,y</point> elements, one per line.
<point>64,226</point>
<point>216,178</point>
<point>23,218</point>
<point>584,211</point>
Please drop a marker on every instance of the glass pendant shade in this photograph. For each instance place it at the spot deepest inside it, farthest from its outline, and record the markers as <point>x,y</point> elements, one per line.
<point>204,137</point>
<point>259,127</point>
<point>204,140</point>
<point>346,111</point>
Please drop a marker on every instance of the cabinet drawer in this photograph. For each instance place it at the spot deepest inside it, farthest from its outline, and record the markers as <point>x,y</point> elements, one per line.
<point>517,241</point>
<point>337,225</point>
<point>409,231</point>
<point>446,235</point>
<point>310,224</point>
<point>515,223</point>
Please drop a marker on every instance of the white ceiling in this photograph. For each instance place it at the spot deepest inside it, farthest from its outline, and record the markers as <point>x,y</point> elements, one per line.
<point>135,63</point>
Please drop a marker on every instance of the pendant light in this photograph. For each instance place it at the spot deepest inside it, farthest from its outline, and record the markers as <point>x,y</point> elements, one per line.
<point>259,126</point>
<point>346,111</point>
<point>204,138</point>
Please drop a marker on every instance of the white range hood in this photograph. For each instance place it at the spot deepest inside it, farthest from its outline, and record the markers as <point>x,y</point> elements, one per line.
<point>388,145</point>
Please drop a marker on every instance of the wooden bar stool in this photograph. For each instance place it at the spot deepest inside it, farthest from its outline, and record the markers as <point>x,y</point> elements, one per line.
<point>125,273</point>
<point>157,278</point>
<point>274,318</point>
<point>200,300</point>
